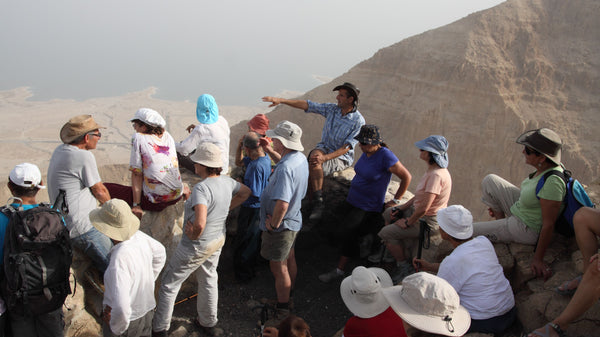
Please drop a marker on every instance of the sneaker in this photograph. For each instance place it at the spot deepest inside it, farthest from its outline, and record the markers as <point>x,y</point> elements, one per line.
<point>377,257</point>
<point>402,270</point>
<point>212,331</point>
<point>332,275</point>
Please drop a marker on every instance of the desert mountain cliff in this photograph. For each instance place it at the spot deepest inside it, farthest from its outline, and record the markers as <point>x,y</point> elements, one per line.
<point>482,81</point>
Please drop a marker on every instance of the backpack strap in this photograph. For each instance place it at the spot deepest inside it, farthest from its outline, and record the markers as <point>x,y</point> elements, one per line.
<point>565,176</point>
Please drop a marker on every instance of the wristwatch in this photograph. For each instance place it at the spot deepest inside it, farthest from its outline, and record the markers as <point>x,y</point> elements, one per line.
<point>135,204</point>
<point>396,201</point>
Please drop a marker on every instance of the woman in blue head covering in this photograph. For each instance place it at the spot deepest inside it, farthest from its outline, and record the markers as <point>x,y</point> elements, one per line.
<point>431,195</point>
<point>212,129</point>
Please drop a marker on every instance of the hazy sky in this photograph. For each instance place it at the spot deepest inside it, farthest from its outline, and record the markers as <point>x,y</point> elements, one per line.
<point>237,50</point>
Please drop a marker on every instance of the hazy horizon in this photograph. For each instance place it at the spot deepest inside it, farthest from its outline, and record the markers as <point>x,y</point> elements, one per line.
<point>237,51</point>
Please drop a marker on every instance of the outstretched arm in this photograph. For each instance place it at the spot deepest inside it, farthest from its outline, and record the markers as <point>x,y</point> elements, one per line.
<point>294,103</point>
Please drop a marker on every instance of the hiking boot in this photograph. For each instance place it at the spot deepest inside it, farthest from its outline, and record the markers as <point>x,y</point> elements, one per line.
<point>402,270</point>
<point>212,331</point>
<point>278,316</point>
<point>159,333</point>
<point>332,275</point>
<point>273,302</point>
<point>377,257</point>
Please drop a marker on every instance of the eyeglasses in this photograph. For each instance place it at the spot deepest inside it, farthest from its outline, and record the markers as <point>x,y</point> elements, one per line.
<point>99,134</point>
<point>529,151</point>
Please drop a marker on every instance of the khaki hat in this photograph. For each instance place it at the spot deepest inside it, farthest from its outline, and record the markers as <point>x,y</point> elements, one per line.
<point>115,220</point>
<point>362,294</point>
<point>77,127</point>
<point>457,221</point>
<point>544,141</point>
<point>289,134</point>
<point>429,303</point>
<point>26,175</point>
<point>150,117</point>
<point>208,154</point>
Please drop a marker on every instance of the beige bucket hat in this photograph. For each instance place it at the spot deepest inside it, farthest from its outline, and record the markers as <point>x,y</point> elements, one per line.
<point>77,127</point>
<point>115,220</point>
<point>208,154</point>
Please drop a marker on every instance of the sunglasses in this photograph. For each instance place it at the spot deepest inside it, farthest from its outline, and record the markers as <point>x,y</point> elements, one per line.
<point>529,151</point>
<point>99,134</point>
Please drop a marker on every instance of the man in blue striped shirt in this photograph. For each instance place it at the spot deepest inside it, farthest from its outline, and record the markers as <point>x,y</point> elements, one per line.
<point>335,151</point>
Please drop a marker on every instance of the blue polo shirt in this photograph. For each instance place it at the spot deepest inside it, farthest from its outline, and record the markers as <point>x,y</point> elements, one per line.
<point>288,183</point>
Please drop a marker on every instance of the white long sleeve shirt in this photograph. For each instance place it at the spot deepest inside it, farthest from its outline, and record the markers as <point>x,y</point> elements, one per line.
<point>216,133</point>
<point>129,279</point>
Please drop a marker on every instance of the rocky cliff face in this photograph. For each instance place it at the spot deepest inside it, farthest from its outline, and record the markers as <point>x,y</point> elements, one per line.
<point>481,82</point>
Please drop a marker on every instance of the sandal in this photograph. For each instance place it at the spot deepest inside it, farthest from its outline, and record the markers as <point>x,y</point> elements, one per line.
<point>546,332</point>
<point>564,289</point>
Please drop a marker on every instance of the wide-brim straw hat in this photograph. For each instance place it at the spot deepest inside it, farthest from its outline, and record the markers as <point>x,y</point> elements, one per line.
<point>115,220</point>
<point>77,127</point>
<point>208,154</point>
<point>429,303</point>
<point>362,294</point>
<point>544,141</point>
<point>289,134</point>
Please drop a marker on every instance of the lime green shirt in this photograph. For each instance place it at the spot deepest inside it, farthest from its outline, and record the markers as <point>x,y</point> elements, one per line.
<point>528,208</point>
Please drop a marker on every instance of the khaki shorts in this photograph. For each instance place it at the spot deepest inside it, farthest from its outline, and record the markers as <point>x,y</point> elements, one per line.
<point>332,165</point>
<point>393,234</point>
<point>276,246</point>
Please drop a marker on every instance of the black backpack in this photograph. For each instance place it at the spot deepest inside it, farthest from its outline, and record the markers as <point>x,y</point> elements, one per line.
<point>575,198</point>
<point>37,260</point>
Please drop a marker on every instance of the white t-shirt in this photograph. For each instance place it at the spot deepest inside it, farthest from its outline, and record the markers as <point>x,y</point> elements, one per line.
<point>74,170</point>
<point>216,133</point>
<point>129,279</point>
<point>156,158</point>
<point>476,275</point>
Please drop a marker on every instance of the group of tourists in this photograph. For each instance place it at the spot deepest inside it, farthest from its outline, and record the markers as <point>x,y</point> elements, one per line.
<point>469,294</point>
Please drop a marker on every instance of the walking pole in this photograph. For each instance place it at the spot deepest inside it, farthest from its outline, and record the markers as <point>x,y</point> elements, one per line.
<point>186,299</point>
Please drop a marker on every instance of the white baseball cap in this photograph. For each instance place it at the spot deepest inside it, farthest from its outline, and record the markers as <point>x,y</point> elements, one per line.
<point>26,175</point>
<point>457,221</point>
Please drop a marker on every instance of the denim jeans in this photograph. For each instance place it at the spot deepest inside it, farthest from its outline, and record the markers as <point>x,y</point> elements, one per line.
<point>185,261</point>
<point>96,246</point>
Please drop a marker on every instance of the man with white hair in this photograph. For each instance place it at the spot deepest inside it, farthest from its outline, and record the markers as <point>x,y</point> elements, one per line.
<point>280,216</point>
<point>474,271</point>
<point>73,169</point>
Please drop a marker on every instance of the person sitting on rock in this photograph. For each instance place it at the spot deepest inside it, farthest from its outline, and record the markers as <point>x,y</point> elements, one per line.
<point>586,222</point>
<point>335,151</point>
<point>155,178</point>
<point>256,177</point>
<point>362,293</point>
<point>586,295</point>
<point>365,202</point>
<point>474,272</point>
<point>136,259</point>
<point>429,304</point>
<point>524,215</point>
<point>432,194</point>
<point>213,128</point>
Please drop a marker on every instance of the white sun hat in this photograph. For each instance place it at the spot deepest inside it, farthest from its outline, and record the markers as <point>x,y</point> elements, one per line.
<point>429,303</point>
<point>362,294</point>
